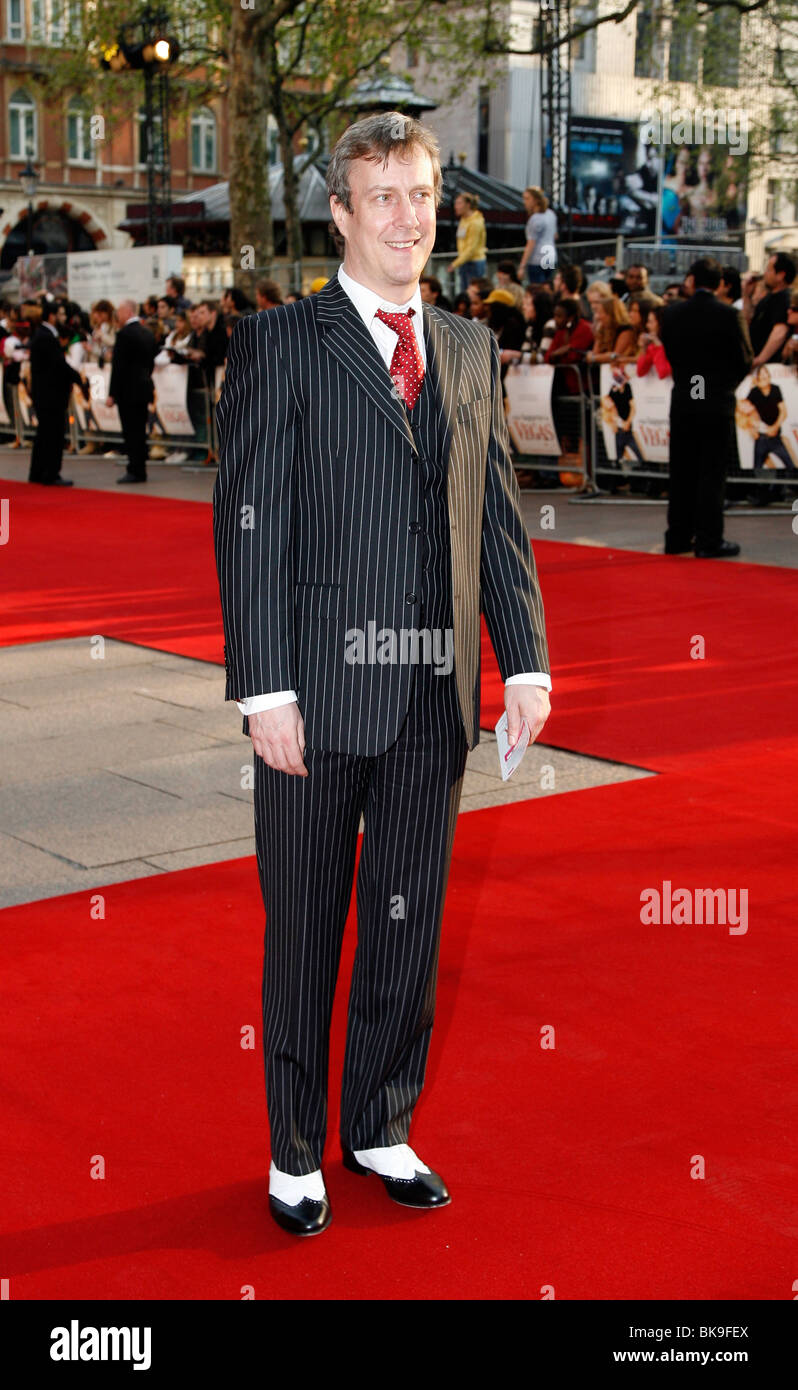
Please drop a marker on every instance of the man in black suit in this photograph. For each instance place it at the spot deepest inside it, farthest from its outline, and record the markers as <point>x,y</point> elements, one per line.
<point>131,388</point>
<point>707,345</point>
<point>365,512</point>
<point>52,379</point>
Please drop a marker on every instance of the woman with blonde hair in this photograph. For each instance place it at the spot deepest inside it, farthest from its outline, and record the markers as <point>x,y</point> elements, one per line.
<point>614,335</point>
<point>471,259</point>
<point>539,258</point>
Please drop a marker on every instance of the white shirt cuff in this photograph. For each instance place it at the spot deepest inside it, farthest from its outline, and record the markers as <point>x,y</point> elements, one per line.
<point>253,704</point>
<point>531,678</point>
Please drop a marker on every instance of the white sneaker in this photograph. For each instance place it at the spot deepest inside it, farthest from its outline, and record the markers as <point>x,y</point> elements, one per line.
<point>176,457</point>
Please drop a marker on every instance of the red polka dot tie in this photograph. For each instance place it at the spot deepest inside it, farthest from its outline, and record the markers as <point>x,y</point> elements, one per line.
<point>407,367</point>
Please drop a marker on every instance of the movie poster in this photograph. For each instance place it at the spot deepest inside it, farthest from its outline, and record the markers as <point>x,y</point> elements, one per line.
<point>614,171</point>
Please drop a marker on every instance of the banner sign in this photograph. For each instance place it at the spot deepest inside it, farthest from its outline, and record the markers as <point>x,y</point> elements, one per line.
<point>171,387</point>
<point>530,421</point>
<point>767,419</point>
<point>635,414</point>
<point>94,414</point>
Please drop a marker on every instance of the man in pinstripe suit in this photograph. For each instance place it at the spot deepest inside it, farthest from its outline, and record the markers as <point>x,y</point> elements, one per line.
<point>365,491</point>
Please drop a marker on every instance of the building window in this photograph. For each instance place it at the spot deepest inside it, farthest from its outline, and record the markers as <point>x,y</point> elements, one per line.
<point>156,139</point>
<point>722,49</point>
<point>203,141</point>
<point>21,127</point>
<point>15,20</point>
<point>683,58</point>
<point>51,20</point>
<point>483,129</point>
<point>583,48</point>
<point>644,41</point>
<point>80,147</point>
<point>772,199</point>
<point>273,142</point>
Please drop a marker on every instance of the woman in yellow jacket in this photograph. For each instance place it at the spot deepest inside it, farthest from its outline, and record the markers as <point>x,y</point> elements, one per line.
<point>470,260</point>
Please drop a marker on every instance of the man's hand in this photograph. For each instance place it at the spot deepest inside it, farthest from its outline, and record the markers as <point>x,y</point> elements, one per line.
<point>109,401</point>
<point>530,702</point>
<point>278,736</point>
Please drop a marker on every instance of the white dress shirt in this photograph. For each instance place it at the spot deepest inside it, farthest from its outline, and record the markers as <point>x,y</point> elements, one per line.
<point>367,302</point>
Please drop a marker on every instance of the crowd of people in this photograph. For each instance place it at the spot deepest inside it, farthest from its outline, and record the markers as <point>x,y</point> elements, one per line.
<point>164,329</point>
<point>554,317</point>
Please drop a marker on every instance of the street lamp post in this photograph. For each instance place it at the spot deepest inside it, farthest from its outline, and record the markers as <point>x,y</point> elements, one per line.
<point>145,45</point>
<point>30,182</point>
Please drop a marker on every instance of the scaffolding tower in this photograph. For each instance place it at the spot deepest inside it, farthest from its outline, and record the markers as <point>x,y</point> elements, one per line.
<point>555,25</point>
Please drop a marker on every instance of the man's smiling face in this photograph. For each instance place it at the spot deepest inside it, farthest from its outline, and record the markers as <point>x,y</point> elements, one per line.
<point>390,231</point>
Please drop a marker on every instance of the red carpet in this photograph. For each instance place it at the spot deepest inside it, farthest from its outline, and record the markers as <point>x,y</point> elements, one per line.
<point>569,1166</point>
<point>139,569</point>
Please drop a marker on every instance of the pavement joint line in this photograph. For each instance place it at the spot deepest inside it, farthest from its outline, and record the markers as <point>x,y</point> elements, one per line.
<point>218,738</point>
<point>74,863</point>
<point>125,777</point>
<point>145,695</point>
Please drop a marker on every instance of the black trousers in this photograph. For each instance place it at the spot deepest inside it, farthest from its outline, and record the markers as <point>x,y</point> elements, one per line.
<point>48,444</point>
<point>306,836</point>
<point>133,416</point>
<point>702,449</point>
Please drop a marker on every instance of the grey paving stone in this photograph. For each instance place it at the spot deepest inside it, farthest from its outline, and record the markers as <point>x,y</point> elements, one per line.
<point>114,747</point>
<point>42,661</point>
<point>198,772</point>
<point>101,818</point>
<point>28,874</point>
<point>99,681</point>
<point>76,716</point>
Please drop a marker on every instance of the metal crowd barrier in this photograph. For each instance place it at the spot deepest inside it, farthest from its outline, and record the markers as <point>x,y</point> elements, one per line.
<point>202,447</point>
<point>584,465</point>
<point>573,467</point>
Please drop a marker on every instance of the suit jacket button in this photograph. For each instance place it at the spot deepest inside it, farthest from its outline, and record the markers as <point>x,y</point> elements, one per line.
<point>410,598</point>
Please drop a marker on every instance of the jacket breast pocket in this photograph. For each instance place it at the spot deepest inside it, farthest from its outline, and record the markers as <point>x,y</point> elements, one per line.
<point>318,600</point>
<point>475,410</point>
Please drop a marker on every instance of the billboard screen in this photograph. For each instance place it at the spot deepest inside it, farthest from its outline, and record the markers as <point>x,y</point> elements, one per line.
<point>614,169</point>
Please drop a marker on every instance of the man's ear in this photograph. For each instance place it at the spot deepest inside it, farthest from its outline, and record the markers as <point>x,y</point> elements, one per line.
<point>338,213</point>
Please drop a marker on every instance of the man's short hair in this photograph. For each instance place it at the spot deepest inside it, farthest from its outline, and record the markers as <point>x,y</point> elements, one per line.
<point>784,265</point>
<point>433,282</point>
<point>637,265</point>
<point>269,289</point>
<point>179,284</point>
<point>572,278</point>
<point>376,138</point>
<point>482,286</point>
<point>706,273</point>
<point>730,276</point>
<point>212,305</point>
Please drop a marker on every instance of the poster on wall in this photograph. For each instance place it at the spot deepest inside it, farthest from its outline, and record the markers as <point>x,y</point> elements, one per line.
<point>635,414</point>
<point>614,172</point>
<point>529,415</point>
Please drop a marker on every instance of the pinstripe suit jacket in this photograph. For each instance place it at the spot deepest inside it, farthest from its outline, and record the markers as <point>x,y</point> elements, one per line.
<point>317,487</point>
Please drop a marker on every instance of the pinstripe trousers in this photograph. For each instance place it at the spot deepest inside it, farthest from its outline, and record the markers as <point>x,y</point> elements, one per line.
<point>306,829</point>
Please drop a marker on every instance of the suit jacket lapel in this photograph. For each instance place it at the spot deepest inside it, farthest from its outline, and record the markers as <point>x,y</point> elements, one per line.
<point>347,338</point>
<point>444,361</point>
